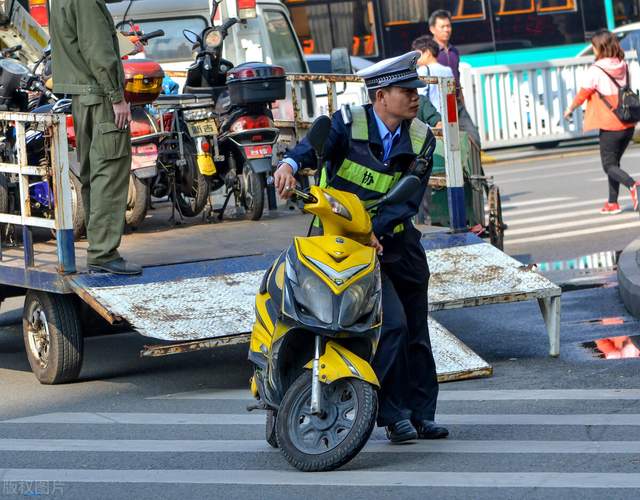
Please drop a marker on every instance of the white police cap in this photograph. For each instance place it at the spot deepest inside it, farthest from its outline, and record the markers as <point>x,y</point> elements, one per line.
<point>397,71</point>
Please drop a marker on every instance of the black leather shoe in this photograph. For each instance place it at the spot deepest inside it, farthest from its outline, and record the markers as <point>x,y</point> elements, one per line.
<point>116,266</point>
<point>401,431</point>
<point>429,430</point>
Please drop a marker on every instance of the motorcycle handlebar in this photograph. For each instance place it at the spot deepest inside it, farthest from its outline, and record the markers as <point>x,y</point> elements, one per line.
<point>11,50</point>
<point>228,23</point>
<point>149,36</point>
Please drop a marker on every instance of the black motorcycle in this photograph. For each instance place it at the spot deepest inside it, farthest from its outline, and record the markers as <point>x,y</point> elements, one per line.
<point>243,136</point>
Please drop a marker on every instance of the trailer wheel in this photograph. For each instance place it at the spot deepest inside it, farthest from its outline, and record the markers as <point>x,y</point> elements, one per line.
<point>496,224</point>
<point>52,337</point>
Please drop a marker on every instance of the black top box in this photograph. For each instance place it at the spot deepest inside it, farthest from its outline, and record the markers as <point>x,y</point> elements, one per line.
<point>256,82</point>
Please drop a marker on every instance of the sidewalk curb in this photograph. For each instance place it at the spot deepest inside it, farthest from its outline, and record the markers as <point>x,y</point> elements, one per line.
<point>629,277</point>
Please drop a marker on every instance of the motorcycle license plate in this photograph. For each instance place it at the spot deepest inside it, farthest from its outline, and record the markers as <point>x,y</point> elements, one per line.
<point>255,152</point>
<point>203,127</point>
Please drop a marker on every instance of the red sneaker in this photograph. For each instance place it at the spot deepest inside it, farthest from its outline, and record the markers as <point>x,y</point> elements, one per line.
<point>634,195</point>
<point>611,208</point>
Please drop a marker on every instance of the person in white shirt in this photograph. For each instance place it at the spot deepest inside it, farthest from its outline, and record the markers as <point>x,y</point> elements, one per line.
<point>428,65</point>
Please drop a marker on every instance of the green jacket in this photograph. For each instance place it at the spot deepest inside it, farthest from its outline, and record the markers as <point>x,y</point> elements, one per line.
<point>84,50</point>
<point>428,112</point>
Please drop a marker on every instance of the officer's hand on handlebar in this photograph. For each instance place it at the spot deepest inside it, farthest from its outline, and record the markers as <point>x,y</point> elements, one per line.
<point>376,244</point>
<point>284,180</point>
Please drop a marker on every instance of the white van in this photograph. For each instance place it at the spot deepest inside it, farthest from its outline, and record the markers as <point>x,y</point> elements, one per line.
<point>268,37</point>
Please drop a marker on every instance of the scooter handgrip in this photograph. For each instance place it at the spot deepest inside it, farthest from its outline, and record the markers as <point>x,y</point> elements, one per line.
<point>149,36</point>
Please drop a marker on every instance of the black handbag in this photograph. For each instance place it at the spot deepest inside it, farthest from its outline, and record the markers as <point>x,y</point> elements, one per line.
<point>628,109</point>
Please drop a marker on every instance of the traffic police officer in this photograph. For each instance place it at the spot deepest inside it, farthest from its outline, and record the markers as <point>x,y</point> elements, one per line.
<point>86,65</point>
<point>368,149</point>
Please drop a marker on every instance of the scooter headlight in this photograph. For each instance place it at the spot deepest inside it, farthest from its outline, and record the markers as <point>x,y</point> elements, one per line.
<point>360,299</point>
<point>337,207</point>
<point>311,295</point>
<point>213,39</point>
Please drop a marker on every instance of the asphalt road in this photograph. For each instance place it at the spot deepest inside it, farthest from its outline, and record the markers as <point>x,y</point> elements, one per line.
<point>176,427</point>
<point>551,206</point>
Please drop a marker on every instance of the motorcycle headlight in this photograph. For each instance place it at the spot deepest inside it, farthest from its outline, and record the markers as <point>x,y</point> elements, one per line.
<point>337,207</point>
<point>360,299</point>
<point>213,39</point>
<point>312,296</point>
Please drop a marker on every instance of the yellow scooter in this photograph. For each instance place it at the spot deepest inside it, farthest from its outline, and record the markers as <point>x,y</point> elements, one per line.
<point>318,320</point>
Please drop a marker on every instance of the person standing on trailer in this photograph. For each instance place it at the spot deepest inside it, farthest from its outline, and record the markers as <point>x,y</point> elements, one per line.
<point>86,65</point>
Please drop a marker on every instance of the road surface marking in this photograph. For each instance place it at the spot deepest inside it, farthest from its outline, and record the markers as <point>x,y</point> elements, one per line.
<point>446,395</point>
<point>571,234</point>
<point>593,221</point>
<point>629,419</point>
<point>260,446</point>
<point>584,480</point>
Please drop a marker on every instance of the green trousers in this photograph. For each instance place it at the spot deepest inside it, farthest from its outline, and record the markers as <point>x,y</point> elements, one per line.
<point>104,153</point>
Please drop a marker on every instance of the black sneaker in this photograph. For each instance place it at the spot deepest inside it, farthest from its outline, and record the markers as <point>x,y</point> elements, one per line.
<point>429,430</point>
<point>401,431</point>
<point>116,266</point>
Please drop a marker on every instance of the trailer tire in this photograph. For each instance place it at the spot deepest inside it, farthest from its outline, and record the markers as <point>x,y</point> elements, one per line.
<point>52,337</point>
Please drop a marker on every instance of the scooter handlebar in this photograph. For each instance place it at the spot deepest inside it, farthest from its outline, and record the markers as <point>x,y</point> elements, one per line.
<point>149,36</point>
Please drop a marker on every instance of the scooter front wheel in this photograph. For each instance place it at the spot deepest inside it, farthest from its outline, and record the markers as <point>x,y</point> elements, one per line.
<point>313,443</point>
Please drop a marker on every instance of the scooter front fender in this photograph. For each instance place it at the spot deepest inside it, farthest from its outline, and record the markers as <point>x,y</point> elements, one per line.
<point>339,362</point>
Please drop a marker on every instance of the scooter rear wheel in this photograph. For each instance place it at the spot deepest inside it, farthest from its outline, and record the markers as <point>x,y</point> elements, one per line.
<point>314,443</point>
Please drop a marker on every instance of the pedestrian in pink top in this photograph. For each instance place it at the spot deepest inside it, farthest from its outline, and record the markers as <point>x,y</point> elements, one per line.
<point>599,89</point>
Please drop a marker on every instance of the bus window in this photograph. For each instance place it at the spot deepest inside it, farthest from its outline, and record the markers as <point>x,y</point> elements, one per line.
<point>512,7</point>
<point>173,46</point>
<point>626,11</point>
<point>526,30</point>
<point>555,5</point>
<point>322,26</point>
<point>466,10</point>
<point>398,12</point>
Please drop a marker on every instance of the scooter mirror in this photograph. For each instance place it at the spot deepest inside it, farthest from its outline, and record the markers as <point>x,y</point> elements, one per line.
<point>191,36</point>
<point>402,191</point>
<point>318,134</point>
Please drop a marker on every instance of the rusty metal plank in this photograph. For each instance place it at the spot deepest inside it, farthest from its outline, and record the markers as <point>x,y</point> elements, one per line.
<point>155,351</point>
<point>183,310</point>
<point>481,274</point>
<point>454,360</point>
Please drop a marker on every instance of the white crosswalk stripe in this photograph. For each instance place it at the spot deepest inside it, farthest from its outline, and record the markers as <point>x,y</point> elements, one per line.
<point>556,218</point>
<point>109,418</point>
<point>450,395</point>
<point>267,467</point>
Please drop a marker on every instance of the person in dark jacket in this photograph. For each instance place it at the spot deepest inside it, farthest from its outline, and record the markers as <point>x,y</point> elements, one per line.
<point>368,150</point>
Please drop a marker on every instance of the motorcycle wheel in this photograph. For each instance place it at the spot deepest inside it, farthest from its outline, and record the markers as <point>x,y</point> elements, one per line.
<point>252,195</point>
<point>313,443</point>
<point>270,429</point>
<point>192,191</point>
<point>136,201</point>
<point>77,208</point>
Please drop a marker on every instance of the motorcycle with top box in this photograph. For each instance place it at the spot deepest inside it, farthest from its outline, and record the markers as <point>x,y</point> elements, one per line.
<point>244,131</point>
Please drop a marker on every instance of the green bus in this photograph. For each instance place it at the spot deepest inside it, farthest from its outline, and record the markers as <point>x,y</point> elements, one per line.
<point>487,32</point>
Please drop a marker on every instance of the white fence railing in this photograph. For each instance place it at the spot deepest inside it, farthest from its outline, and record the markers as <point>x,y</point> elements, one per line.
<point>524,104</point>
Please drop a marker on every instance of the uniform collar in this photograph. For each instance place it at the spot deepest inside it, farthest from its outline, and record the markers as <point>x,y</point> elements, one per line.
<point>383,130</point>
<point>403,146</point>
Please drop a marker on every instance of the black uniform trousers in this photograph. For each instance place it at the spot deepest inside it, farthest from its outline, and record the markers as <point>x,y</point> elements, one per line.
<point>404,360</point>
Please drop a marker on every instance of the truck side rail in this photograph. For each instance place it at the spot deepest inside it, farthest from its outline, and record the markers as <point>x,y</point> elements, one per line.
<point>55,170</point>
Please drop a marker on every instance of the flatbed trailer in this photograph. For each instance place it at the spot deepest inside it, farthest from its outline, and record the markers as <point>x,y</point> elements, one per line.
<point>200,279</point>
